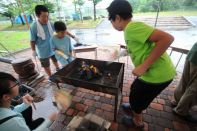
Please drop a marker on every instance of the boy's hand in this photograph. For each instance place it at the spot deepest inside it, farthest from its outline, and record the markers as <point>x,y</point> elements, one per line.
<point>139,70</point>
<point>76,39</point>
<point>34,54</point>
<point>28,99</point>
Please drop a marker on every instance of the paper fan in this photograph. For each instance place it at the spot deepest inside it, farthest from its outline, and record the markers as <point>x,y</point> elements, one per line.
<point>62,99</point>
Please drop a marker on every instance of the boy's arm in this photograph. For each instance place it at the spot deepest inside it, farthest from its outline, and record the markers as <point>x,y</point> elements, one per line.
<point>162,41</point>
<point>74,37</point>
<point>21,107</point>
<point>33,38</point>
<point>69,34</point>
<point>33,45</point>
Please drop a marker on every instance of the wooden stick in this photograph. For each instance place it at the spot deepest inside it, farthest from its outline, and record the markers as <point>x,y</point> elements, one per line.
<point>33,104</point>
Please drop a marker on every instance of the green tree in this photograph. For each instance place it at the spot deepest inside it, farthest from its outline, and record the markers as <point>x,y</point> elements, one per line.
<point>75,4</point>
<point>95,2</point>
<point>135,4</point>
<point>189,2</point>
<point>50,6</point>
<point>152,5</point>
<point>79,3</point>
<point>29,5</point>
<point>9,15</point>
<point>11,10</point>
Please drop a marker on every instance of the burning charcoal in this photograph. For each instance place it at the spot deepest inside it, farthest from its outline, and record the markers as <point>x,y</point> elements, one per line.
<point>88,72</point>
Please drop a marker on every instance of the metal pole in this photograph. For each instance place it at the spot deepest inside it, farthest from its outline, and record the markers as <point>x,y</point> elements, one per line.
<point>9,53</point>
<point>75,6</point>
<point>158,9</point>
<point>58,9</point>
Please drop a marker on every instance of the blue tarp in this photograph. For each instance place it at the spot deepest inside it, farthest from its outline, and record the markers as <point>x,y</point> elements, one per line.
<point>18,19</point>
<point>75,16</point>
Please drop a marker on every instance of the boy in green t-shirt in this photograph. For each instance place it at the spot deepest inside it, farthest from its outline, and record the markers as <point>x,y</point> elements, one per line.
<point>147,48</point>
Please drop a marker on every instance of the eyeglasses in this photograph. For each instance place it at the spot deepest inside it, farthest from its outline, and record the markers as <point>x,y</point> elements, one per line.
<point>17,84</point>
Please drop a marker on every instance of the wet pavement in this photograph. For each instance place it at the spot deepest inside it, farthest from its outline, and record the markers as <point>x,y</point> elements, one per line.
<point>157,117</point>
<point>184,32</point>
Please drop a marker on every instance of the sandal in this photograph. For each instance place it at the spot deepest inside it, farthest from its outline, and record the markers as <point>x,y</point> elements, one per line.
<point>127,108</point>
<point>128,121</point>
<point>173,103</point>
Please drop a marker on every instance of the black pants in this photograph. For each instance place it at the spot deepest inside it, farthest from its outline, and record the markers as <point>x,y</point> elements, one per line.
<point>143,93</point>
<point>27,115</point>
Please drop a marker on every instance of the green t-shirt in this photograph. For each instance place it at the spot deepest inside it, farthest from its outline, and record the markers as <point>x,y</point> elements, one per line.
<point>136,36</point>
<point>192,55</point>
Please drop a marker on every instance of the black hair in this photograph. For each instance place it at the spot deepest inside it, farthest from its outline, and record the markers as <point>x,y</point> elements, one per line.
<point>39,9</point>
<point>120,7</point>
<point>5,79</point>
<point>60,26</point>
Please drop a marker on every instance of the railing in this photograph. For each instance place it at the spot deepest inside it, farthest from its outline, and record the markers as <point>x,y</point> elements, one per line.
<point>171,48</point>
<point>5,52</point>
<point>179,50</point>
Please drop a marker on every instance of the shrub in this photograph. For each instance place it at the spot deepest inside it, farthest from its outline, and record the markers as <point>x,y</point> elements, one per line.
<point>87,18</point>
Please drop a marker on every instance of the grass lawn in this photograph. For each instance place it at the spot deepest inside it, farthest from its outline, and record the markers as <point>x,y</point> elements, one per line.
<point>14,40</point>
<point>18,27</point>
<point>70,24</point>
<point>6,26</point>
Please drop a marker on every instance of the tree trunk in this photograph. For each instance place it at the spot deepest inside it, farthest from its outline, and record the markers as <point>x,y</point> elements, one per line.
<point>11,20</point>
<point>94,12</point>
<point>23,23</point>
<point>75,6</point>
<point>80,14</point>
<point>160,5</point>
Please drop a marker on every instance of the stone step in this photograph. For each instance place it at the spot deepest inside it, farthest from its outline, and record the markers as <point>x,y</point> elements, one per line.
<point>166,22</point>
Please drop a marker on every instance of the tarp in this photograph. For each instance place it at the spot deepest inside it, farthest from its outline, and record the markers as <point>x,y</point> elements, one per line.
<point>18,19</point>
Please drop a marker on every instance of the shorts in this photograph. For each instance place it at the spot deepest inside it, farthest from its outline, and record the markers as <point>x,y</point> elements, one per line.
<point>143,93</point>
<point>45,61</point>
